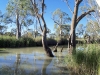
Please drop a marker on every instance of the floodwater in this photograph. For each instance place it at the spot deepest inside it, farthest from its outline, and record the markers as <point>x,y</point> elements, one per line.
<point>31,61</point>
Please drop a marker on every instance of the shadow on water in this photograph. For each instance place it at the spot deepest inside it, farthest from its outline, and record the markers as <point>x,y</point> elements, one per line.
<point>3,51</point>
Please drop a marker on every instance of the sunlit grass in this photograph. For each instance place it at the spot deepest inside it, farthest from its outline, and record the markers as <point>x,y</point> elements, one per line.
<point>85,62</point>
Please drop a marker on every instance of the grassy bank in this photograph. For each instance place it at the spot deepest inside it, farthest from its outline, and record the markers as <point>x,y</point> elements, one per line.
<point>11,41</point>
<point>85,62</point>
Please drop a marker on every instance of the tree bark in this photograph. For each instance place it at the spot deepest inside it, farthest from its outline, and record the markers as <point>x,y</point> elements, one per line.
<point>18,34</point>
<point>55,49</point>
<point>72,38</point>
<point>45,45</point>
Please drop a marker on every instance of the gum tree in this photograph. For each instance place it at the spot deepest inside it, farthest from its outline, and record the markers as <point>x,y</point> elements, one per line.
<point>75,20</point>
<point>60,18</point>
<point>17,13</point>
<point>39,8</point>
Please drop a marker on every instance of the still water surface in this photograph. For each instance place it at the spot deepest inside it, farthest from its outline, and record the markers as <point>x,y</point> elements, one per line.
<point>31,61</point>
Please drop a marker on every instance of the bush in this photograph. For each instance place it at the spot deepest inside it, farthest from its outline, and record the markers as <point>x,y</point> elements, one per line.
<point>62,41</point>
<point>38,41</point>
<point>51,42</point>
<point>13,42</point>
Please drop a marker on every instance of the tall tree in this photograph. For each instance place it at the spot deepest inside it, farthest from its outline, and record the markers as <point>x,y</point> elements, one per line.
<point>17,12</point>
<point>65,30</point>
<point>39,7</point>
<point>60,18</point>
<point>74,23</point>
<point>93,29</point>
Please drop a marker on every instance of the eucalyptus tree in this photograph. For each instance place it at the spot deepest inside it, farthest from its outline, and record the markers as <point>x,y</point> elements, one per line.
<point>75,21</point>
<point>18,14</point>
<point>39,8</point>
<point>93,29</point>
<point>93,4</point>
<point>60,18</point>
<point>65,30</point>
<point>93,18</point>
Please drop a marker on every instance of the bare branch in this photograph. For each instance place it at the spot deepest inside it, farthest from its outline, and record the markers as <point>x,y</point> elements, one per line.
<point>40,24</point>
<point>69,6</point>
<point>55,22</point>
<point>42,7</point>
<point>83,15</point>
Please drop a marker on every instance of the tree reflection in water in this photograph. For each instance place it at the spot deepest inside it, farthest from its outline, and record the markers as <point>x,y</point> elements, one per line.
<point>45,64</point>
<point>17,64</point>
<point>33,63</point>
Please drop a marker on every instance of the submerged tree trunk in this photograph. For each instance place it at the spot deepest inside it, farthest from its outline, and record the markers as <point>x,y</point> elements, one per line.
<point>45,45</point>
<point>55,49</point>
<point>44,29</point>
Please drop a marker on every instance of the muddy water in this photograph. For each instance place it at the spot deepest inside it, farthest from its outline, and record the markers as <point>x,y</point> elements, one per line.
<point>31,61</point>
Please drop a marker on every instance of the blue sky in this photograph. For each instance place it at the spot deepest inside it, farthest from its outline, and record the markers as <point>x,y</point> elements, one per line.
<point>52,5</point>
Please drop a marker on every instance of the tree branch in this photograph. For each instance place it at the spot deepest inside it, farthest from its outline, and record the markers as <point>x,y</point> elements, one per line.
<point>69,6</point>
<point>40,24</point>
<point>42,7</point>
<point>55,22</point>
<point>83,15</point>
<point>78,1</point>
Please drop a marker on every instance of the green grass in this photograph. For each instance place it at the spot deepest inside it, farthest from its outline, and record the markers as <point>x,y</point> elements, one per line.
<point>85,62</point>
<point>7,41</point>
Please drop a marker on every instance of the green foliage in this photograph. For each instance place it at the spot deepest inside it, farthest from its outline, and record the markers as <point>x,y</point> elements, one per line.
<point>7,41</point>
<point>12,42</point>
<point>38,41</point>
<point>85,62</point>
<point>51,41</point>
<point>60,19</point>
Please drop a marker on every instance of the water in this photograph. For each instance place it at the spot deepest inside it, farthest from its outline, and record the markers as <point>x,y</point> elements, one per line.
<point>31,61</point>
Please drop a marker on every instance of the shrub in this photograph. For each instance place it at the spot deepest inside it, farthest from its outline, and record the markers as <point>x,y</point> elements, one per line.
<point>62,41</point>
<point>51,42</point>
<point>13,42</point>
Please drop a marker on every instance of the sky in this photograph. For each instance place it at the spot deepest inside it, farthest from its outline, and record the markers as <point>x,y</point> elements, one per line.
<point>98,1</point>
<point>52,5</point>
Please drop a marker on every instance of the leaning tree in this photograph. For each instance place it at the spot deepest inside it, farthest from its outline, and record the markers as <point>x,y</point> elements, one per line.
<point>39,7</point>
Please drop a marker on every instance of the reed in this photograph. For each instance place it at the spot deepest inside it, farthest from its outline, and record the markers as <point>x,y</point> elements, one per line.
<point>85,62</point>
